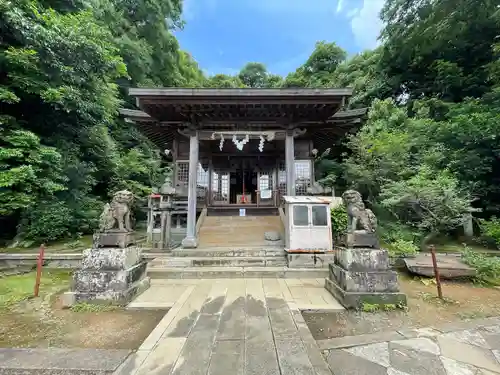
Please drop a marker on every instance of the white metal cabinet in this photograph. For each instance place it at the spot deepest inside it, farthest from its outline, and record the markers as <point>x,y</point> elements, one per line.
<point>309,223</point>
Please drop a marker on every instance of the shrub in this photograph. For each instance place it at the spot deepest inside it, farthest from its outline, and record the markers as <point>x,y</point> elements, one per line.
<point>491,229</point>
<point>487,268</point>
<point>339,221</point>
<point>402,248</point>
<point>391,232</point>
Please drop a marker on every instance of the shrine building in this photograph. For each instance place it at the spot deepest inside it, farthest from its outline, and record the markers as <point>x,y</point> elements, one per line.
<point>234,148</point>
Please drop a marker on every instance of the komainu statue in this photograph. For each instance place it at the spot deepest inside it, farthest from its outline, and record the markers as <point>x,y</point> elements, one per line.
<point>361,222</point>
<point>358,217</point>
<point>117,214</point>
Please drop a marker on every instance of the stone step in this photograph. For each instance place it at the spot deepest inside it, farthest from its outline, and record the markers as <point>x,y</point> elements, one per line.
<point>235,272</point>
<point>238,231</point>
<point>218,261</point>
<point>231,251</point>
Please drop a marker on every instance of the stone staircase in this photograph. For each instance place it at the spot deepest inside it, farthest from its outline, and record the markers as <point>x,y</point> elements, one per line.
<point>232,247</point>
<point>226,231</point>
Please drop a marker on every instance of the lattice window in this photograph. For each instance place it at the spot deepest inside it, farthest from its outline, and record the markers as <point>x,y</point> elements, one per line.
<point>182,172</point>
<point>220,186</point>
<point>303,176</point>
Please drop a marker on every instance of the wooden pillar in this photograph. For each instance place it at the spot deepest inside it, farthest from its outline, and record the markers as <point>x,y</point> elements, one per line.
<point>290,163</point>
<point>190,241</point>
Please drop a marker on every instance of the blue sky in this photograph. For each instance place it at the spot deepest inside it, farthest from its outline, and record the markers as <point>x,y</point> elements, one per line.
<point>223,35</point>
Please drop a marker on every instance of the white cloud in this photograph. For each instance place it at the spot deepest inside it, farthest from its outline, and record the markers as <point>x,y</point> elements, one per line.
<point>192,8</point>
<point>350,14</point>
<point>366,24</point>
<point>340,5</point>
<point>188,9</point>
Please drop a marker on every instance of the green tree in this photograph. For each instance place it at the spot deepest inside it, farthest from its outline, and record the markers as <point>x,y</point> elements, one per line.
<point>363,73</point>
<point>224,81</point>
<point>28,170</point>
<point>439,48</point>
<point>430,200</point>
<point>254,75</point>
<point>319,68</point>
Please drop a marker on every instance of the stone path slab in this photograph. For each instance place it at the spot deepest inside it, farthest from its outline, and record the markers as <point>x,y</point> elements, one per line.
<point>472,349</point>
<point>255,326</point>
<point>231,326</point>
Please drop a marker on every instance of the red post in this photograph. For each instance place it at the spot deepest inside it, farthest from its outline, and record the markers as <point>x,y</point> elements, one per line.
<point>436,271</point>
<point>39,270</point>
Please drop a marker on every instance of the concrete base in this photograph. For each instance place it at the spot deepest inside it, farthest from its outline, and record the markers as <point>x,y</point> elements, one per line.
<point>309,260</point>
<point>356,300</point>
<point>114,239</point>
<point>190,243</point>
<point>377,281</point>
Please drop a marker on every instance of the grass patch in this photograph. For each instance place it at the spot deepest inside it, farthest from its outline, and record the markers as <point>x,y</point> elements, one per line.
<point>371,308</point>
<point>63,246</point>
<point>433,298</point>
<point>94,307</point>
<point>18,288</point>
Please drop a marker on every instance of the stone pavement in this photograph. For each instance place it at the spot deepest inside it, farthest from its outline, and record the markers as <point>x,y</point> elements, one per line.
<point>231,326</point>
<point>470,348</point>
<point>254,326</point>
<point>307,294</point>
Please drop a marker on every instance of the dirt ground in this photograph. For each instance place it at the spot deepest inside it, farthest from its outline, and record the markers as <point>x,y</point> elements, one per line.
<point>41,322</point>
<point>54,327</point>
<point>463,301</point>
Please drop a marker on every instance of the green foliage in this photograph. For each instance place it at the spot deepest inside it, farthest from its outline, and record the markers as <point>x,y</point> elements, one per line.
<point>254,75</point>
<point>93,307</point>
<point>362,72</point>
<point>439,48</point>
<point>372,308</point>
<point>491,229</point>
<point>487,268</point>
<point>339,221</point>
<point>224,81</point>
<point>319,69</point>
<point>63,149</point>
<point>28,170</point>
<point>402,248</point>
<point>430,200</point>
<point>391,231</point>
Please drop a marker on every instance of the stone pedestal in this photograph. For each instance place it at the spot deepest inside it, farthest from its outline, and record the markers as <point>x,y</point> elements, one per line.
<point>110,275</point>
<point>362,276</point>
<point>114,239</point>
<point>361,238</point>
